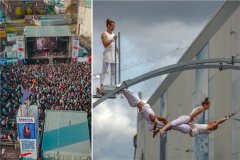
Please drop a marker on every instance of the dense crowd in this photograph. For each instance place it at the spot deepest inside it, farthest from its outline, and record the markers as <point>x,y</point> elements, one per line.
<point>63,86</point>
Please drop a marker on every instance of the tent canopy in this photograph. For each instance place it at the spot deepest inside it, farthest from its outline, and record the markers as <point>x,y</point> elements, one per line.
<point>47,31</point>
<point>66,133</point>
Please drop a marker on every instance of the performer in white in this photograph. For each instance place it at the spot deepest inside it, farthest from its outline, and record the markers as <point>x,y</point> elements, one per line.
<point>197,129</point>
<point>108,40</point>
<point>153,121</point>
<point>186,119</point>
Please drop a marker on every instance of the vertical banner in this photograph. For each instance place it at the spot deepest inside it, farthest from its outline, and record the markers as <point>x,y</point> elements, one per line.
<point>28,148</point>
<point>26,130</point>
<point>27,133</point>
<point>20,48</point>
<point>75,48</point>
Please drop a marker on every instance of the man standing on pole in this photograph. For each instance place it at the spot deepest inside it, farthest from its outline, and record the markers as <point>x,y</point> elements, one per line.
<point>108,40</point>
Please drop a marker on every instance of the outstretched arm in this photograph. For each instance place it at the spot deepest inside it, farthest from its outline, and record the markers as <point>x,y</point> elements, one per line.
<point>213,125</point>
<point>34,81</point>
<point>163,119</point>
<point>196,112</point>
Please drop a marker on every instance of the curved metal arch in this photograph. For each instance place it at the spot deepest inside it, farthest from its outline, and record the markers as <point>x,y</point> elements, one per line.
<point>217,63</point>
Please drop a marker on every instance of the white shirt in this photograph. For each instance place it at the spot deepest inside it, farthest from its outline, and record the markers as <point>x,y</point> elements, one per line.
<point>146,110</point>
<point>194,111</point>
<point>109,51</point>
<point>199,129</point>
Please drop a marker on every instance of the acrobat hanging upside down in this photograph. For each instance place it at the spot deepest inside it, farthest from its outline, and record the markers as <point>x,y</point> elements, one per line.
<point>183,123</point>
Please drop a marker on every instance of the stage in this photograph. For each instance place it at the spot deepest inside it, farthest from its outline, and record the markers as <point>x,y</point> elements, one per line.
<point>47,42</point>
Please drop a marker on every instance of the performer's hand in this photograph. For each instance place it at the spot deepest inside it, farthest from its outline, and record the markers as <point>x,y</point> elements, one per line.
<point>115,37</point>
<point>191,125</point>
<point>165,121</point>
<point>155,132</point>
<point>228,116</point>
<point>191,119</point>
<point>155,126</point>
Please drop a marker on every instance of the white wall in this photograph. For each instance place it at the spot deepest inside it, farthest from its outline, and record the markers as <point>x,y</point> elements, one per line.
<point>84,21</point>
<point>222,88</point>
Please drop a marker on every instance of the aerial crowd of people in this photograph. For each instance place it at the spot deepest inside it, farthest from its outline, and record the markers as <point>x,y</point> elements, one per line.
<point>62,86</point>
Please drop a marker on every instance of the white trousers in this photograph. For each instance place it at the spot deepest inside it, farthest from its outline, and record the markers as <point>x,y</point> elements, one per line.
<point>184,128</point>
<point>132,98</point>
<point>184,119</point>
<point>104,71</point>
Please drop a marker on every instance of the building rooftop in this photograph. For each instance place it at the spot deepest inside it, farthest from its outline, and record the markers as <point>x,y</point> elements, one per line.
<point>47,31</point>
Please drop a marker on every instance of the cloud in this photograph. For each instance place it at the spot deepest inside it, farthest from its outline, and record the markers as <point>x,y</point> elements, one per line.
<point>114,113</point>
<point>151,47</point>
<point>113,122</point>
<point>148,12</point>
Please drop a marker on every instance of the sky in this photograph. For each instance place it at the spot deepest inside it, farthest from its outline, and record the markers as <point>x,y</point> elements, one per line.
<point>153,35</point>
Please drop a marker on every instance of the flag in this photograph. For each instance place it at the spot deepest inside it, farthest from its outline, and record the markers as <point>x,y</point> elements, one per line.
<point>89,58</point>
<point>25,96</point>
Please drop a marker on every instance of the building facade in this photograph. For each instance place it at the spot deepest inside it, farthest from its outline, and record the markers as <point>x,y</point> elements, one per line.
<point>179,93</point>
<point>66,3</point>
<point>60,9</point>
<point>84,18</point>
<point>50,2</point>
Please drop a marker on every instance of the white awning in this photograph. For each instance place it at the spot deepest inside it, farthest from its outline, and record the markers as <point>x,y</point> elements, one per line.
<point>47,31</point>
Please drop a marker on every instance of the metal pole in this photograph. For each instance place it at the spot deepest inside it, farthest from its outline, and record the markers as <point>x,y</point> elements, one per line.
<point>119,60</point>
<point>134,156</point>
<point>115,76</point>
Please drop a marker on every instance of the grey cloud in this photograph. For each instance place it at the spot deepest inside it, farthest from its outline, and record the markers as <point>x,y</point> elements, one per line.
<point>155,10</point>
<point>114,128</point>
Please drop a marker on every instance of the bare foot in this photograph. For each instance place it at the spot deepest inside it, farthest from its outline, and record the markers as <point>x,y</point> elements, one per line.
<point>100,91</point>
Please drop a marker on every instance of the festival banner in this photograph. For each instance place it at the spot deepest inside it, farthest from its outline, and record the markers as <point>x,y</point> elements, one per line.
<point>75,48</point>
<point>75,44</point>
<point>28,148</point>
<point>82,59</point>
<point>25,96</point>
<point>25,120</point>
<point>20,47</point>
<point>26,131</point>
<point>26,127</point>
<point>74,53</point>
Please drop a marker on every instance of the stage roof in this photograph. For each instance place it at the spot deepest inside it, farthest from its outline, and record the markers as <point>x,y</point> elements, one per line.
<point>66,135</point>
<point>47,31</point>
